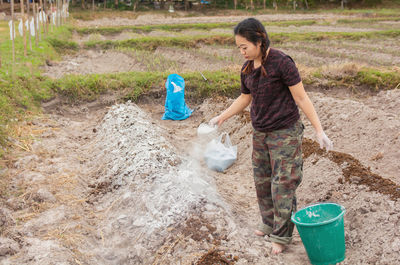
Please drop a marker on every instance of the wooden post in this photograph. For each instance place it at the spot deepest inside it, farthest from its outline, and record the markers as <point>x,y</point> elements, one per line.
<point>65,8</point>
<point>275,5</point>
<point>41,16</point>
<point>264,4</point>
<point>58,14</point>
<point>235,3</point>
<point>12,30</point>
<point>23,25</point>
<point>38,22</point>
<point>93,5</point>
<point>105,2</point>
<point>51,16</point>
<point>46,12</point>
<point>61,12</point>
<point>29,24</point>
<point>35,22</point>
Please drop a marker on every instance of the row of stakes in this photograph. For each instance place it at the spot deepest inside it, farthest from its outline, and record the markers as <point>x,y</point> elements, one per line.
<point>40,17</point>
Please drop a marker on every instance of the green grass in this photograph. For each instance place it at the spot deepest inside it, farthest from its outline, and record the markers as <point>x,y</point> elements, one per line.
<point>376,12</point>
<point>151,43</point>
<point>21,84</point>
<point>373,79</point>
<point>63,46</point>
<point>181,27</point>
<point>367,20</point>
<point>133,85</point>
<point>378,79</point>
<point>318,36</point>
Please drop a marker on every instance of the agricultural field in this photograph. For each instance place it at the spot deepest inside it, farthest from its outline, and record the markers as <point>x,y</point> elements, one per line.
<point>92,175</point>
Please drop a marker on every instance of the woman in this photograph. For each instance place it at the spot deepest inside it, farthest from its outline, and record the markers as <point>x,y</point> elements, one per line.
<point>271,82</point>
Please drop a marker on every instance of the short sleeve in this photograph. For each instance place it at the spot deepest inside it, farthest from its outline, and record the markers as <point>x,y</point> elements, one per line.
<point>243,87</point>
<point>289,72</point>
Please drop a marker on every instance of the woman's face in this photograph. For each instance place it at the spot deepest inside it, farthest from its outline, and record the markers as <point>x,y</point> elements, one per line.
<point>247,48</point>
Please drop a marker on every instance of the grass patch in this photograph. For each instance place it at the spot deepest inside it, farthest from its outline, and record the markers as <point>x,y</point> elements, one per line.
<point>151,43</point>
<point>355,76</point>
<point>318,36</point>
<point>87,15</point>
<point>181,27</point>
<point>133,85</point>
<point>62,46</point>
<point>379,80</point>
<point>367,20</point>
<point>376,12</point>
<point>21,85</point>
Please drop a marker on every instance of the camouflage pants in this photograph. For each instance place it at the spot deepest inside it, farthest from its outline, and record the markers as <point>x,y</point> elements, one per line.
<point>278,170</point>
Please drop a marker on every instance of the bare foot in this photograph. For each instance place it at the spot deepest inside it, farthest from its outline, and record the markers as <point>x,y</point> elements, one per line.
<point>277,248</point>
<point>259,233</point>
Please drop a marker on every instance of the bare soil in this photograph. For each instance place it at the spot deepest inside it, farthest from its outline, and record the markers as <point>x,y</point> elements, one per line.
<point>91,61</point>
<point>73,197</point>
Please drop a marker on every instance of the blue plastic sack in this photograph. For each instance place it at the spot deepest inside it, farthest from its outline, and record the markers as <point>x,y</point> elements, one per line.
<point>175,106</point>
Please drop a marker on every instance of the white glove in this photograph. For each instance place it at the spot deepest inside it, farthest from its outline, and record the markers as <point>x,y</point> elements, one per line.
<point>215,121</point>
<point>324,141</point>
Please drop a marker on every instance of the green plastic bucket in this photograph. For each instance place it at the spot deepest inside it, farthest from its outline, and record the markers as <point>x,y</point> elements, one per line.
<point>321,229</point>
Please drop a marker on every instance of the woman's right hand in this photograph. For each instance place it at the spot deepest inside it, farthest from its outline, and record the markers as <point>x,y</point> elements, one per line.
<point>216,121</point>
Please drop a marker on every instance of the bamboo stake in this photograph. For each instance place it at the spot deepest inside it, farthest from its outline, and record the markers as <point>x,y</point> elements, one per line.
<point>58,13</point>
<point>12,30</point>
<point>29,24</point>
<point>23,25</point>
<point>47,16</point>
<point>51,16</point>
<point>64,9</point>
<point>35,22</point>
<point>43,20</point>
<point>38,22</point>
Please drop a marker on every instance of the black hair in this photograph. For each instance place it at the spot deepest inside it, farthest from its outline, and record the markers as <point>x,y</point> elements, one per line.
<point>254,31</point>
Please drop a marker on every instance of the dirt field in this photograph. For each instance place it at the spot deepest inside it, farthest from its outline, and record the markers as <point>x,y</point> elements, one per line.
<point>109,182</point>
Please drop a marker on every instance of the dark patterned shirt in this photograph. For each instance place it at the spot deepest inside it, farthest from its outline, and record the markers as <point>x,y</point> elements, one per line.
<point>272,106</point>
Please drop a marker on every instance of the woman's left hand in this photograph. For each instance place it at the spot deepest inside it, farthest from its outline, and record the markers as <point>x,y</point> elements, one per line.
<point>324,141</point>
